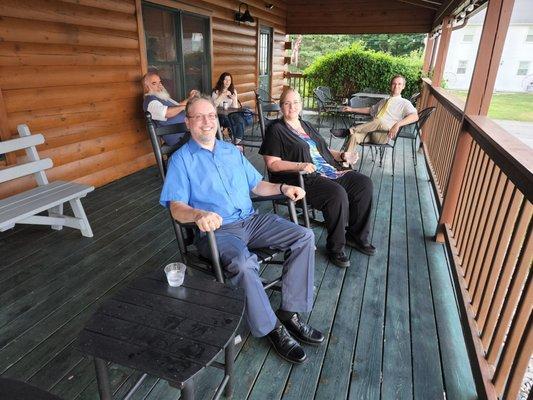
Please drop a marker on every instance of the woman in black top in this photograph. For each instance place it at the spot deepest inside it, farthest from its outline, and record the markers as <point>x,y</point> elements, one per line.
<point>344,196</point>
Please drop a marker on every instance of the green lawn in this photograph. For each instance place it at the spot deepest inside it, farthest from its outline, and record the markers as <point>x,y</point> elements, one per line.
<point>511,106</point>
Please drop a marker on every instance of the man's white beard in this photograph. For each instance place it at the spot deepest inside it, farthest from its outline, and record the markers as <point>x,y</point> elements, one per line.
<point>163,95</point>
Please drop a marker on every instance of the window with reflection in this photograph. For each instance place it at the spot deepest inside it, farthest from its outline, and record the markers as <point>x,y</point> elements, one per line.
<point>177,46</point>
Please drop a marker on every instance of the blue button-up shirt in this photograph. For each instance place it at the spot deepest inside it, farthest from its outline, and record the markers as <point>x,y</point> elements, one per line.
<point>219,181</point>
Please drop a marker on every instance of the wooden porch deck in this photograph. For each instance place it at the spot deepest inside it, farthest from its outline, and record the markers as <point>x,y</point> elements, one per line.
<point>391,320</point>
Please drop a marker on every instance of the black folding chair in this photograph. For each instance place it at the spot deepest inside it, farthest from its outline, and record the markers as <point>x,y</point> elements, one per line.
<point>185,231</point>
<point>414,98</point>
<point>250,139</point>
<point>328,95</point>
<point>411,131</point>
<point>270,106</point>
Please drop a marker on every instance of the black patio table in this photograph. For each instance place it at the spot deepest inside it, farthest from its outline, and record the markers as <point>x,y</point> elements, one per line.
<point>173,333</point>
<point>16,390</point>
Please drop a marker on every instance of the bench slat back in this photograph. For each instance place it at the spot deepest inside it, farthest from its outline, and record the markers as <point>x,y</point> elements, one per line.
<point>18,171</point>
<point>34,165</point>
<point>20,143</point>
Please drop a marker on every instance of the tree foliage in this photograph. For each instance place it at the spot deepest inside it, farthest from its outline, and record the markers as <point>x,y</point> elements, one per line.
<point>355,69</point>
<point>314,46</point>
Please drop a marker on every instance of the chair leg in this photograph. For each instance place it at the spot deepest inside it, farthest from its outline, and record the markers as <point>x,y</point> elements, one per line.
<point>58,210</point>
<point>414,152</point>
<point>102,379</point>
<point>78,211</point>
<point>381,154</point>
<point>362,157</point>
<point>393,159</point>
<point>229,361</point>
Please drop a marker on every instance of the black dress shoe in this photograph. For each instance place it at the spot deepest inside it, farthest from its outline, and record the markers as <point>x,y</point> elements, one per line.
<point>365,248</point>
<point>339,259</point>
<point>301,331</point>
<point>285,345</point>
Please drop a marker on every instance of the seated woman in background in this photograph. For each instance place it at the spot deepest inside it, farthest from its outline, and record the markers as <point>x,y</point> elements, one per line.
<point>344,196</point>
<point>225,92</point>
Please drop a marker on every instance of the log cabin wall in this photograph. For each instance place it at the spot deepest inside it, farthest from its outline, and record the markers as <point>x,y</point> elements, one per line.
<point>70,69</point>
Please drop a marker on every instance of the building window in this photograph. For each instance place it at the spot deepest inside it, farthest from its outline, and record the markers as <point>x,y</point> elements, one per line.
<point>529,37</point>
<point>461,67</point>
<point>523,68</point>
<point>468,37</point>
<point>177,46</point>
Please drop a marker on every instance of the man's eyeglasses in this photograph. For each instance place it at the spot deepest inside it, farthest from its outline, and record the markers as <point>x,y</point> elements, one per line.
<point>201,117</point>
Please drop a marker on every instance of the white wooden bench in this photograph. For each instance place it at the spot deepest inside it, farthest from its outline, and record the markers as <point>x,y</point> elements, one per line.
<point>23,208</point>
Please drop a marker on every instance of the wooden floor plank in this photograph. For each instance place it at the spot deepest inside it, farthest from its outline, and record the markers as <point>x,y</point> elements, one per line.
<point>366,370</point>
<point>458,379</point>
<point>397,370</point>
<point>427,368</point>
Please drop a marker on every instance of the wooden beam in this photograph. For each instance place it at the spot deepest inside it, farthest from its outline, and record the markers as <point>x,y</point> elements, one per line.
<point>488,57</point>
<point>447,8</point>
<point>142,40</point>
<point>442,53</point>
<point>423,4</point>
<point>428,52</point>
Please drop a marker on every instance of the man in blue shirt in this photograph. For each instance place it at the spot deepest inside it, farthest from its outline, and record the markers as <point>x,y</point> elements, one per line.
<point>209,183</point>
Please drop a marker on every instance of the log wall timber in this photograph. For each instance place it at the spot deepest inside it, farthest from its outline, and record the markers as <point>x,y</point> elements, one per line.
<point>70,69</point>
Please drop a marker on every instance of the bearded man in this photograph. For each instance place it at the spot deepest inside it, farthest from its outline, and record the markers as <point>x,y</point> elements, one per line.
<point>164,110</point>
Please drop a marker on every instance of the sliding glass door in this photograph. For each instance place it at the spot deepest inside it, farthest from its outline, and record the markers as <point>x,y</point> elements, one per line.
<point>177,46</point>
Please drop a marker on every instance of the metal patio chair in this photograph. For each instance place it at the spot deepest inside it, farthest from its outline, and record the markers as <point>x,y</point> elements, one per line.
<point>185,231</point>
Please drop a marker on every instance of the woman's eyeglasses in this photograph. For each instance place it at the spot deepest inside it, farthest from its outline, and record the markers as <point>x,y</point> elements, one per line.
<point>290,103</point>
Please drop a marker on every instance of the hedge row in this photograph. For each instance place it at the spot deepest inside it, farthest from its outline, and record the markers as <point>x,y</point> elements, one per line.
<point>354,69</point>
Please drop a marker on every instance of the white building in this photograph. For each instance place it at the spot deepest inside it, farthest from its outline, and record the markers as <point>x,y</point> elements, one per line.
<point>516,67</point>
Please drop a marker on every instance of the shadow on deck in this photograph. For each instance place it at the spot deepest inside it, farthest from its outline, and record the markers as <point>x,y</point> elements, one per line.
<point>392,323</point>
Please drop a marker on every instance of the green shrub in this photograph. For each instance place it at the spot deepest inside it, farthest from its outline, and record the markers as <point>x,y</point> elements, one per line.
<point>354,69</point>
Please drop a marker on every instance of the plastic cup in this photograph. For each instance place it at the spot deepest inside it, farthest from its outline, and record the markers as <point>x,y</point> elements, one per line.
<point>225,105</point>
<point>175,273</point>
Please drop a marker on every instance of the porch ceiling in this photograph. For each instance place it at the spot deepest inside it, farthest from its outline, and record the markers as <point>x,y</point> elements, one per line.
<point>368,16</point>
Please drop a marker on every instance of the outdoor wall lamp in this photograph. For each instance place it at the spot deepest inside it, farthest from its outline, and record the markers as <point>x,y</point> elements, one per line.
<point>243,16</point>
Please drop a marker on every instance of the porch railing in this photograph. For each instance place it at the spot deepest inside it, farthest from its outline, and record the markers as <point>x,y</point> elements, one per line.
<point>484,179</point>
<point>302,85</point>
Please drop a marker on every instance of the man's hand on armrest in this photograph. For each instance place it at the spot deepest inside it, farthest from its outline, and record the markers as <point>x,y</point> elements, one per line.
<point>270,189</point>
<point>294,193</point>
<point>205,220</point>
<point>393,131</point>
